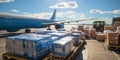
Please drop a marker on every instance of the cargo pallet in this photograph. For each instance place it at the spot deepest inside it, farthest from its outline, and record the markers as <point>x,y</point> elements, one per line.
<point>112,47</point>
<point>7,56</point>
<point>71,56</point>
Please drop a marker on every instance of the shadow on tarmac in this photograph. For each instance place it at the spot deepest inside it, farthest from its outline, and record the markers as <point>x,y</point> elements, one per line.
<point>80,54</point>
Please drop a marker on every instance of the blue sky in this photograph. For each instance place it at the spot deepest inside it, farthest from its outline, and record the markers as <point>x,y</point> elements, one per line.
<point>66,9</point>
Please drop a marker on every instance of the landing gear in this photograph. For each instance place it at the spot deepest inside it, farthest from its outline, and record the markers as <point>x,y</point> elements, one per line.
<point>48,28</point>
<point>27,30</point>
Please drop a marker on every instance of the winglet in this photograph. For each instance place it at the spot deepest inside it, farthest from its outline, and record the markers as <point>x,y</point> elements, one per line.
<point>53,16</point>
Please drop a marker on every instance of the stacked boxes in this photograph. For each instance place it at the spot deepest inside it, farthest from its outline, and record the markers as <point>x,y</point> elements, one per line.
<point>105,33</point>
<point>10,45</point>
<point>93,33</point>
<point>54,38</point>
<point>112,38</point>
<point>86,33</point>
<point>118,30</point>
<point>18,47</point>
<point>78,37</point>
<point>59,34</point>
<point>67,32</point>
<point>108,27</point>
<point>80,28</point>
<point>100,36</point>
<point>35,46</point>
<point>31,46</point>
<point>43,31</point>
<point>116,24</point>
<point>63,46</point>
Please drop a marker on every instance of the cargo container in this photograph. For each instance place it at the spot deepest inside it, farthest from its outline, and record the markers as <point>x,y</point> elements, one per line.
<point>77,38</point>
<point>63,47</point>
<point>32,46</point>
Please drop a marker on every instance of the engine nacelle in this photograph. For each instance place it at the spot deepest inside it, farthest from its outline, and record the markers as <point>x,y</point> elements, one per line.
<point>59,26</point>
<point>12,30</point>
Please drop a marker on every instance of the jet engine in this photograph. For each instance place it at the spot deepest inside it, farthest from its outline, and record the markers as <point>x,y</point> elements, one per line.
<point>59,26</point>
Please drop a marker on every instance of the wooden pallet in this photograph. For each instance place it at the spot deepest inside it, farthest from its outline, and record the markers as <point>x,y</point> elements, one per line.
<point>7,56</point>
<point>11,57</point>
<point>109,46</point>
<point>71,56</point>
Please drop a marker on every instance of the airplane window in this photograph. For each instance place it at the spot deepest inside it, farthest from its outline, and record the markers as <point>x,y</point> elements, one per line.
<point>98,24</point>
<point>102,23</point>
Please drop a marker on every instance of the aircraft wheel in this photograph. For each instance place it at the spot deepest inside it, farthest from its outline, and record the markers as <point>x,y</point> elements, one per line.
<point>27,30</point>
<point>48,28</point>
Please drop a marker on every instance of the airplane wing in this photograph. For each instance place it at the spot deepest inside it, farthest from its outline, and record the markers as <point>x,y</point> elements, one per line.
<point>66,21</point>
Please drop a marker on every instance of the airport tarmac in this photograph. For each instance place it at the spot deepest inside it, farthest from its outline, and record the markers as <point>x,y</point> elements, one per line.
<point>92,50</point>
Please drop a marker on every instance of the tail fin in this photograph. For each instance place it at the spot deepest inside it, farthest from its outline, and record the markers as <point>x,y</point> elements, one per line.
<point>53,16</point>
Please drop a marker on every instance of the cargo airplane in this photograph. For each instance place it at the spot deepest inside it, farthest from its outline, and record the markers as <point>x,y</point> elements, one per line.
<point>14,22</point>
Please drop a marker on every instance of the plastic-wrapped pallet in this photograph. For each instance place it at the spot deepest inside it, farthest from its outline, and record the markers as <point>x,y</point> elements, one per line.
<point>38,45</point>
<point>116,24</point>
<point>113,38</point>
<point>108,27</point>
<point>86,27</point>
<point>59,34</point>
<point>80,28</point>
<point>43,31</point>
<point>118,30</point>
<point>78,37</point>
<point>105,32</point>
<point>86,33</point>
<point>63,46</point>
<point>10,45</point>
<point>93,33</point>
<point>54,38</point>
<point>67,32</point>
<point>100,36</point>
<point>31,46</point>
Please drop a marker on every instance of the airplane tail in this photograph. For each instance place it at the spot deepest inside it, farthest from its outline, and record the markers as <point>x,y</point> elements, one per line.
<point>53,16</point>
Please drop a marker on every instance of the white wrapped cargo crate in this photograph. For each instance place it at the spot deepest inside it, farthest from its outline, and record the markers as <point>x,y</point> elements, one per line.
<point>54,38</point>
<point>78,37</point>
<point>10,45</point>
<point>32,46</point>
<point>43,31</point>
<point>67,32</point>
<point>59,34</point>
<point>63,46</point>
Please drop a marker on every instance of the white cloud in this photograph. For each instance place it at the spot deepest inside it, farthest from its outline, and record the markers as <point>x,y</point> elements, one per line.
<point>71,15</point>
<point>63,5</point>
<point>1,1</point>
<point>104,12</point>
<point>14,10</point>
